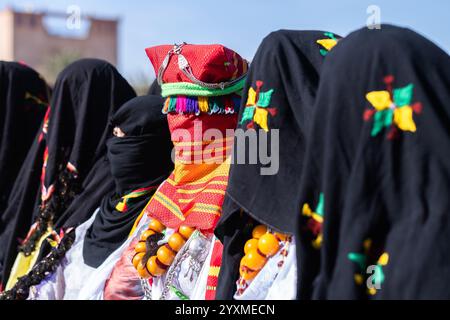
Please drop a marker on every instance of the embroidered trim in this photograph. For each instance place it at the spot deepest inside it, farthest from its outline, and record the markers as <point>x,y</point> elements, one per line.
<point>122,206</point>
<point>35,99</point>
<point>315,221</point>
<point>45,126</point>
<point>195,105</point>
<point>392,108</point>
<point>68,188</point>
<point>41,270</point>
<point>257,107</point>
<point>214,269</point>
<point>191,89</point>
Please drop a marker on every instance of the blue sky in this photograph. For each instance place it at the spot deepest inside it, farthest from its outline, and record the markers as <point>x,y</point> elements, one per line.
<point>242,24</point>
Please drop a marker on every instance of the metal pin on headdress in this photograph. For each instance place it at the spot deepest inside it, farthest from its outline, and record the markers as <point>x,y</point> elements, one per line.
<point>183,65</point>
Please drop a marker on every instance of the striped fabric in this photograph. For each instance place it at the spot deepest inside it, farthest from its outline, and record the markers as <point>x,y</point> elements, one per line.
<point>194,192</point>
<point>122,206</point>
<point>214,269</point>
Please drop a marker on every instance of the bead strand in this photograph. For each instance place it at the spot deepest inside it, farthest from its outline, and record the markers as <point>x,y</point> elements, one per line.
<point>158,264</point>
<point>140,249</point>
<point>258,250</point>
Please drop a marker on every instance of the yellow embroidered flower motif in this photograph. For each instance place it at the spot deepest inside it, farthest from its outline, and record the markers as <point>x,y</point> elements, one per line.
<point>328,43</point>
<point>257,107</point>
<point>315,221</point>
<point>392,108</point>
<point>361,259</point>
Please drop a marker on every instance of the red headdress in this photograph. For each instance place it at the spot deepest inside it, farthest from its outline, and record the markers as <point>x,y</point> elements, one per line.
<point>202,84</point>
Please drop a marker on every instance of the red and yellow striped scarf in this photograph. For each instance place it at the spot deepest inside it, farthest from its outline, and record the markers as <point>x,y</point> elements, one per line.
<point>194,192</point>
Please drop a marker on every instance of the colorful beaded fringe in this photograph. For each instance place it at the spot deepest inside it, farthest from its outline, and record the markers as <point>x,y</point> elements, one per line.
<point>195,105</point>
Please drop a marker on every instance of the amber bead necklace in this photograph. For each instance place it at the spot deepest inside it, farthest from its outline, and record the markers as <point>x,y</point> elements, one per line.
<point>258,250</point>
<point>158,264</point>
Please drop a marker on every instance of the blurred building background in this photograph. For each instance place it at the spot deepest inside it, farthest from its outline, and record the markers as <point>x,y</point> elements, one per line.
<point>31,38</point>
<point>240,26</point>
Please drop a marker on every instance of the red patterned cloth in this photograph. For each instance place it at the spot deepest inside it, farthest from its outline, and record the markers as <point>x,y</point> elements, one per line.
<point>214,269</point>
<point>194,192</point>
<point>209,63</point>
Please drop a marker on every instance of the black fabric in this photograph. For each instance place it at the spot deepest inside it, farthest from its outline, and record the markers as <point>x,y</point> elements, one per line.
<point>95,186</point>
<point>155,88</point>
<point>391,187</point>
<point>140,159</point>
<point>23,103</point>
<point>288,62</point>
<point>86,95</point>
<point>23,200</point>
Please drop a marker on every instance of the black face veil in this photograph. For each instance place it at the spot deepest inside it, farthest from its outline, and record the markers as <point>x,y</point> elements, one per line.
<point>139,161</point>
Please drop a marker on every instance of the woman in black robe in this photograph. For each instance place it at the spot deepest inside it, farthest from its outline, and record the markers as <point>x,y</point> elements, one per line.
<point>377,171</point>
<point>73,159</point>
<point>140,159</point>
<point>23,104</point>
<point>278,102</point>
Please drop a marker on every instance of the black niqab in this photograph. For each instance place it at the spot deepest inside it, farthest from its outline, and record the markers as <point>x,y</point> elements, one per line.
<point>140,159</point>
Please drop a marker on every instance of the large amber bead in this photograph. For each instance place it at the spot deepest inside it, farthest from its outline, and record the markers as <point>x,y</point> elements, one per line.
<point>268,244</point>
<point>142,271</point>
<point>138,258</point>
<point>186,231</point>
<point>250,245</point>
<point>176,242</point>
<point>254,260</point>
<point>259,231</point>
<point>140,247</point>
<point>248,274</point>
<point>245,272</point>
<point>156,226</point>
<point>165,255</point>
<point>154,268</point>
<point>147,234</point>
